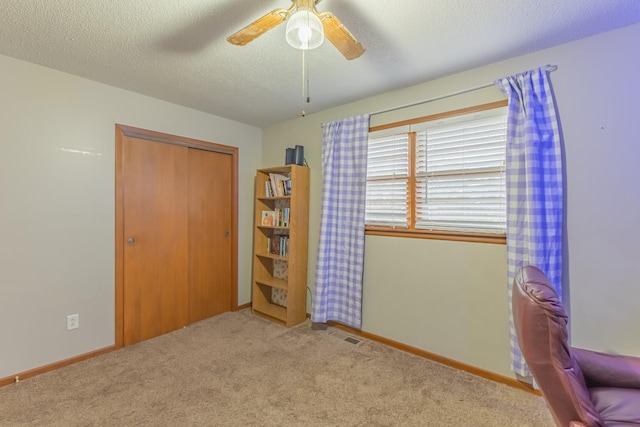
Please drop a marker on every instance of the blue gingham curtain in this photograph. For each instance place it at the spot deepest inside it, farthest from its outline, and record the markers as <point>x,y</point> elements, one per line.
<point>534,186</point>
<point>337,293</point>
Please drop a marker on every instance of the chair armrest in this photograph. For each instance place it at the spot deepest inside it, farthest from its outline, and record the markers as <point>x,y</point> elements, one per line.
<point>608,370</point>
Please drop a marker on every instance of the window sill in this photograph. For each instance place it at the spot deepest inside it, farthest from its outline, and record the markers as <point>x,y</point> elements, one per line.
<point>458,236</point>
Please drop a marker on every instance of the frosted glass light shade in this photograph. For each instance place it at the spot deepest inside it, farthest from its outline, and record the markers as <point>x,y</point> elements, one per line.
<point>304,30</point>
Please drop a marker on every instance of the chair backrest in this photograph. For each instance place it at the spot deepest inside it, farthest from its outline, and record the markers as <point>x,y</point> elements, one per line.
<point>541,328</point>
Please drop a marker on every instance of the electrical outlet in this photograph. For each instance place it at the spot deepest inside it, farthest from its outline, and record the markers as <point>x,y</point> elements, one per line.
<point>73,321</point>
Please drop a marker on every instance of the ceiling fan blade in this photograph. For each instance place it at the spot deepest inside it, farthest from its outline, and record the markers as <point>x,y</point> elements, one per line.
<point>259,27</point>
<point>341,38</point>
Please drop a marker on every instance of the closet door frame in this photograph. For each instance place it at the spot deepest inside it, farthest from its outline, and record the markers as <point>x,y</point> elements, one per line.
<point>123,131</point>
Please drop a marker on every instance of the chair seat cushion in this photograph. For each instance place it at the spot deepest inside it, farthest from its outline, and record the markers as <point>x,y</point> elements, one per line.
<point>618,407</point>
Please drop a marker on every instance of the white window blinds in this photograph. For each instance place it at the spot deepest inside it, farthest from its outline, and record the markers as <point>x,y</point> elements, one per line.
<point>460,176</point>
<point>387,181</point>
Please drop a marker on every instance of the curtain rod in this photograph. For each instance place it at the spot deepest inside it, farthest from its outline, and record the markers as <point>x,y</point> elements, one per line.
<point>548,68</point>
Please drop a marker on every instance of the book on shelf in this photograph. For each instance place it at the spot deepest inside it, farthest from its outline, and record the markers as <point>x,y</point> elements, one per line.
<point>287,187</point>
<point>275,245</point>
<point>268,218</point>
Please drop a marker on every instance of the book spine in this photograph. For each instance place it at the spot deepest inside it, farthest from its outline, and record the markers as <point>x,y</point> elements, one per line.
<point>274,186</point>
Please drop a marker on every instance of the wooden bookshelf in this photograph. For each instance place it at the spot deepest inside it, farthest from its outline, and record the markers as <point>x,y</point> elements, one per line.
<point>279,284</point>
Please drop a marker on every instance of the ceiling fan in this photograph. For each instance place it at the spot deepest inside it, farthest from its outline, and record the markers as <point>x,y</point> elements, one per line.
<point>333,29</point>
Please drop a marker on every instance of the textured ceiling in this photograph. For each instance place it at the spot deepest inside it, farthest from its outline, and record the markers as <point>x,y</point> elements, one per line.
<point>176,50</point>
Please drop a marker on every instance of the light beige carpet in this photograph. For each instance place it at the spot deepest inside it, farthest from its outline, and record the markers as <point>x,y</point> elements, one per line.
<point>240,370</point>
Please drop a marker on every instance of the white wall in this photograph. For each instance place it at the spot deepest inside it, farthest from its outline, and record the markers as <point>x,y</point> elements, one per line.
<point>57,207</point>
<point>450,298</point>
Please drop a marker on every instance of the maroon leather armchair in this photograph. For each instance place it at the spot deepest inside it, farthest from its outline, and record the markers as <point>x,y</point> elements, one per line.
<point>582,388</point>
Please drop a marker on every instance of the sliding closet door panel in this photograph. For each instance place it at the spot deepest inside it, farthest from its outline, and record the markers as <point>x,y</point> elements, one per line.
<point>155,288</point>
<point>210,227</point>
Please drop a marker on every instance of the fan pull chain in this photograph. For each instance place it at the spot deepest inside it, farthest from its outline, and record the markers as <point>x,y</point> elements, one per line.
<point>305,80</point>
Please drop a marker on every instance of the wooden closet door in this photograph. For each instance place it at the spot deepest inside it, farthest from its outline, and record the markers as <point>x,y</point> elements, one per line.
<point>155,258</point>
<point>210,227</point>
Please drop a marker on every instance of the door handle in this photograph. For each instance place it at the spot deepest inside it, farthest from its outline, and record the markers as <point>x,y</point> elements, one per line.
<point>131,241</point>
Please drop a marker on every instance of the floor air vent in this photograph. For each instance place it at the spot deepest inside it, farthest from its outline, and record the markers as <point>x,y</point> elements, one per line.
<point>336,333</point>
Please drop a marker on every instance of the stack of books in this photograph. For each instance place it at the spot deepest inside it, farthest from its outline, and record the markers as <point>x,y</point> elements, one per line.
<point>276,218</point>
<point>278,185</point>
<point>278,245</point>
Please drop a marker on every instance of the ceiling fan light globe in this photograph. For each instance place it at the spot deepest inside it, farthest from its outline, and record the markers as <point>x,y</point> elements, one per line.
<point>304,34</point>
<point>304,30</point>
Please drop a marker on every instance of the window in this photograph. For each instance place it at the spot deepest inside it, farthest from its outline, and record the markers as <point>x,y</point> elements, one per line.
<point>440,177</point>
